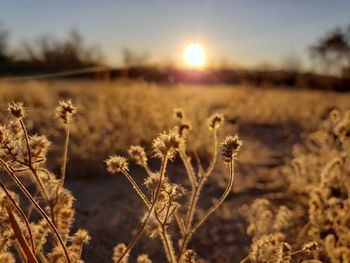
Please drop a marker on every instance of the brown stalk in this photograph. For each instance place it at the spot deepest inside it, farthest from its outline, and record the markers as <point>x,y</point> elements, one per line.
<point>19,236</point>
<point>19,209</point>
<point>37,206</point>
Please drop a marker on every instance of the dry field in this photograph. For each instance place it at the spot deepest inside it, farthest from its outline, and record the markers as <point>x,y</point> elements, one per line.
<point>282,160</point>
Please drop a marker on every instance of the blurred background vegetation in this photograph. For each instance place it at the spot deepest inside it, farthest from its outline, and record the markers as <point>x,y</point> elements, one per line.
<point>330,55</point>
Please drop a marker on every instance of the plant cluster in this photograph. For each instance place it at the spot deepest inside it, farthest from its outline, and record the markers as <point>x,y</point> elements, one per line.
<point>163,204</point>
<point>35,220</point>
<point>319,182</point>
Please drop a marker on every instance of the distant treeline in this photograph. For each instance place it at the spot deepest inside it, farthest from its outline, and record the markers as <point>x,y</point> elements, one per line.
<point>222,76</point>
<point>47,54</point>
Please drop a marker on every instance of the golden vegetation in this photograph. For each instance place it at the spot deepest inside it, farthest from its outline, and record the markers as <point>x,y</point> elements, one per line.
<point>302,216</point>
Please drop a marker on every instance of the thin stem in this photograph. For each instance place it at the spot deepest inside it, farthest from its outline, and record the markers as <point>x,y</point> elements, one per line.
<point>137,188</point>
<point>64,162</point>
<point>168,245</point>
<point>27,141</point>
<point>193,202</point>
<point>30,166</point>
<point>199,164</point>
<point>37,206</point>
<point>19,209</point>
<point>65,154</point>
<point>43,189</point>
<point>246,259</point>
<point>188,167</point>
<point>63,168</point>
<point>218,202</point>
<point>178,219</point>
<point>150,211</point>
<point>165,237</point>
<point>202,219</point>
<point>215,153</point>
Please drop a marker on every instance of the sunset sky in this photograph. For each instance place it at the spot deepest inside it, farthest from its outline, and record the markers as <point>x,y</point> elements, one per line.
<point>239,32</point>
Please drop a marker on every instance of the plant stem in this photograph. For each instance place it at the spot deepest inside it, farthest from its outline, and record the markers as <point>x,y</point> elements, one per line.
<point>150,211</point>
<point>65,154</point>
<point>215,153</point>
<point>27,141</point>
<point>202,219</point>
<point>188,167</point>
<point>19,209</point>
<point>37,206</point>
<point>137,188</point>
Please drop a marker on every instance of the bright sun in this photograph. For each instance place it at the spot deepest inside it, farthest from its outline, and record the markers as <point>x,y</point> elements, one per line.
<point>194,55</point>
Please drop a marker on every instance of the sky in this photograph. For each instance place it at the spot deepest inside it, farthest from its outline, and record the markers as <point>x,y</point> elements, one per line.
<point>237,32</point>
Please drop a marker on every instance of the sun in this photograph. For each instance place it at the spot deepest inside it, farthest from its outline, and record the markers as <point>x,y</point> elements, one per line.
<point>194,55</point>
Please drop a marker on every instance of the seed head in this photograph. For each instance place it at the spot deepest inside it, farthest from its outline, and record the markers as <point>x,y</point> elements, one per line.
<point>143,258</point>
<point>152,228</point>
<point>215,121</point>
<point>65,111</point>
<point>177,190</point>
<point>167,144</point>
<point>39,146</point>
<point>16,110</point>
<point>116,164</point>
<point>14,127</point>
<point>190,256</point>
<point>152,181</point>
<point>311,246</point>
<point>118,252</point>
<point>81,236</point>
<point>184,127</point>
<point>230,148</point>
<point>138,154</point>
<point>179,114</point>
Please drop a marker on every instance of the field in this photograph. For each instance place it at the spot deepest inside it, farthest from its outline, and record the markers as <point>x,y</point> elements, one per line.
<point>271,122</point>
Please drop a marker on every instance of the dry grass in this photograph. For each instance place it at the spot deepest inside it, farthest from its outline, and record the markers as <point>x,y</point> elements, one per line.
<point>303,204</point>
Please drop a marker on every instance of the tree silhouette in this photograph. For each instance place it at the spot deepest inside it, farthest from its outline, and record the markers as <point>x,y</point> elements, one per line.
<point>333,51</point>
<point>4,58</point>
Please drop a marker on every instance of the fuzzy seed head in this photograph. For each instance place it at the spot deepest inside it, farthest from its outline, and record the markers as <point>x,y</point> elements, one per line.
<point>190,256</point>
<point>118,252</point>
<point>179,114</point>
<point>311,246</point>
<point>152,228</point>
<point>65,111</point>
<point>138,154</point>
<point>143,258</point>
<point>167,144</point>
<point>230,148</point>
<point>215,121</point>
<point>116,164</point>
<point>39,146</point>
<point>81,237</point>
<point>184,127</point>
<point>16,110</point>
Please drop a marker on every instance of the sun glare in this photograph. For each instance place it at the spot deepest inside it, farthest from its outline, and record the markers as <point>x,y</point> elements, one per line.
<point>194,55</point>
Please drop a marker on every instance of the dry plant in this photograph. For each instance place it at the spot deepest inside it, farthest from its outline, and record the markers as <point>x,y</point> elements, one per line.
<point>319,187</point>
<point>162,203</point>
<point>321,178</point>
<point>267,227</point>
<point>36,230</point>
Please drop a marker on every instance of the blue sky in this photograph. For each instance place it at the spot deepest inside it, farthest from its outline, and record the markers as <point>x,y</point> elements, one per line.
<point>242,32</point>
